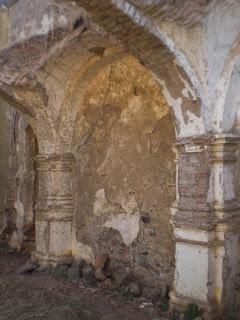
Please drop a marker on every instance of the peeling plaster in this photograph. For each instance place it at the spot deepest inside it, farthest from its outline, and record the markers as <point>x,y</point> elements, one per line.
<point>63,20</point>
<point>221,185</point>
<point>187,91</point>
<point>126,224</point>
<point>100,204</point>
<point>29,18</point>
<point>144,21</point>
<point>194,126</point>
<point>47,25</point>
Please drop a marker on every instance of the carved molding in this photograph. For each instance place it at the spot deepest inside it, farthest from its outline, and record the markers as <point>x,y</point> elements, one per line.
<point>55,162</point>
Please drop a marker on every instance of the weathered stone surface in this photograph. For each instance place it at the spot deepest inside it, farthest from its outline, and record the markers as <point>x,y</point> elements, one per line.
<point>119,179</point>
<point>28,268</point>
<point>121,274</point>
<point>88,275</point>
<point>101,261</point>
<point>135,289</point>
<point>74,273</point>
<point>107,92</point>
<point>99,275</point>
<point>107,284</point>
<point>154,293</point>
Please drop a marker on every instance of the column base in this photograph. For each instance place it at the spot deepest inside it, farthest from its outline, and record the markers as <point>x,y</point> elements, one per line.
<point>180,303</point>
<point>50,260</point>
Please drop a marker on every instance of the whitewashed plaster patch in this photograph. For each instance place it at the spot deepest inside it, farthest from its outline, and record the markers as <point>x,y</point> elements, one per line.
<point>187,91</point>
<point>126,224</point>
<point>63,20</point>
<point>194,126</point>
<point>47,24</point>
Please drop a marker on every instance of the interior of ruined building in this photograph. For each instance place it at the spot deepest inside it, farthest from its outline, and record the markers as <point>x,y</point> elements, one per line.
<point>119,142</point>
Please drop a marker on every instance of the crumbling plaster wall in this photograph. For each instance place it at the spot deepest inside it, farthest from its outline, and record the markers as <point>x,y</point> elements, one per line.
<point>177,88</point>
<point>212,54</point>
<point>126,172</point>
<point>24,19</point>
<point>212,29</point>
<point>213,32</point>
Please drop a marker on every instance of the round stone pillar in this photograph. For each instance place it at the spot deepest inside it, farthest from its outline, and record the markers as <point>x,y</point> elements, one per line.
<point>54,209</point>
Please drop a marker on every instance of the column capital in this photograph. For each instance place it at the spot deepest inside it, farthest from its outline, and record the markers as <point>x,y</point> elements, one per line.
<point>223,148</point>
<point>191,145</point>
<point>199,143</point>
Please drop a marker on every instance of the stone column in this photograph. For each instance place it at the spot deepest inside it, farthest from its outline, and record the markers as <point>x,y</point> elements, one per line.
<point>206,224</point>
<point>54,210</point>
<point>225,207</point>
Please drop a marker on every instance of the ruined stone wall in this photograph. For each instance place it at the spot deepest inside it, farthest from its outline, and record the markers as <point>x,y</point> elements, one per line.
<point>18,181</point>
<point>126,172</point>
<point>123,133</point>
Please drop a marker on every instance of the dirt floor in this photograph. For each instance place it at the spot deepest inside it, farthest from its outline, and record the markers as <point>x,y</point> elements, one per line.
<point>43,295</point>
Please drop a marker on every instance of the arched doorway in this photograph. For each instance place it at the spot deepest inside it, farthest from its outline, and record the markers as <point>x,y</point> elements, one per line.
<point>123,137</point>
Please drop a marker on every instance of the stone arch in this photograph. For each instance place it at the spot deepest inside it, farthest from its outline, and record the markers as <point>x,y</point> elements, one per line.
<point>22,86</point>
<point>231,114</point>
<point>81,74</point>
<point>47,76</point>
<point>37,120</point>
<point>197,219</point>
<point>57,95</point>
<point>158,52</point>
<point>146,42</point>
<point>81,84</point>
<point>227,97</point>
<point>54,75</point>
